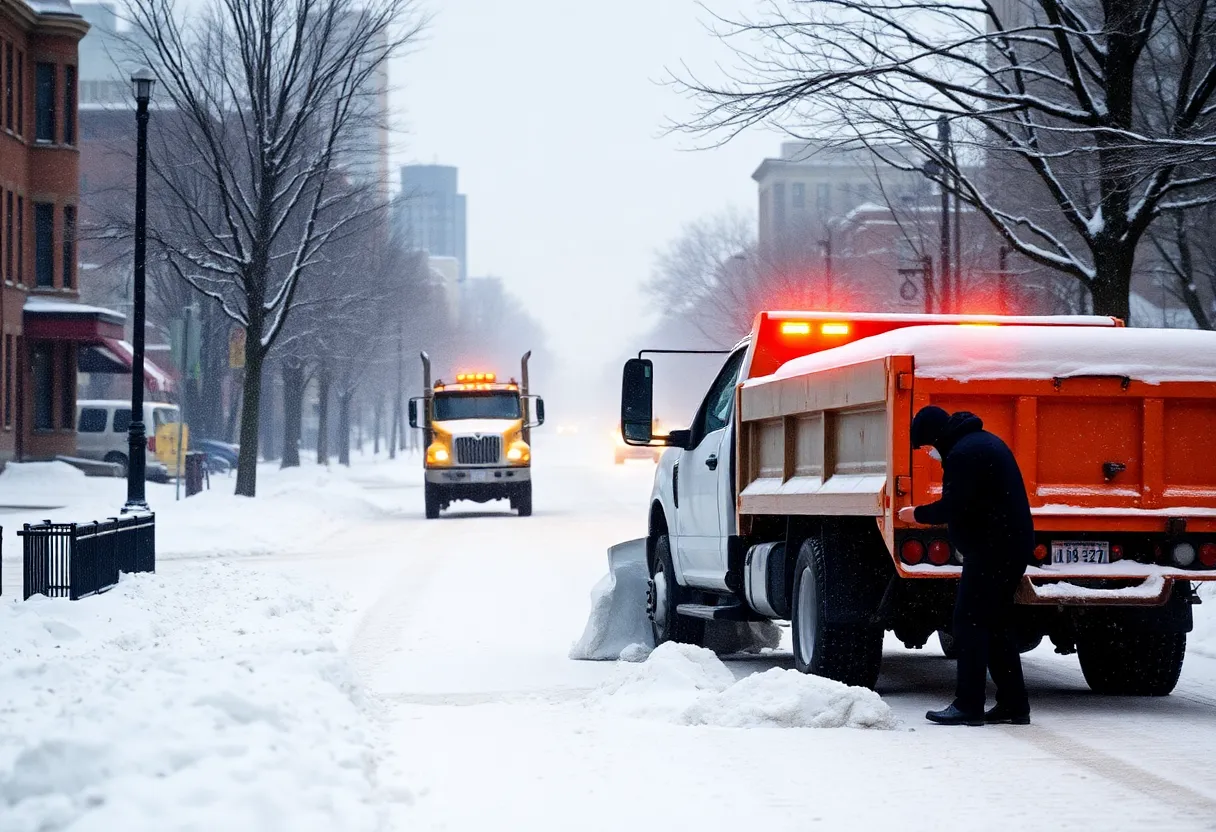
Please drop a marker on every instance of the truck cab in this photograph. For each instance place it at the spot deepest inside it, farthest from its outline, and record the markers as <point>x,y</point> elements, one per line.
<point>478,439</point>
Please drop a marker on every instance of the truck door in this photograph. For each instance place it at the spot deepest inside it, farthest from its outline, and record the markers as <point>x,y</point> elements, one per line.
<point>704,471</point>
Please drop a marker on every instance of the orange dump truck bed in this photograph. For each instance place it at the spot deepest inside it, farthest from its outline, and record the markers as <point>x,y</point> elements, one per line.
<point>1114,430</point>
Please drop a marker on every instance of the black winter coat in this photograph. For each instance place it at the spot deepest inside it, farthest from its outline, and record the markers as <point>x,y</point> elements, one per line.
<point>984,502</point>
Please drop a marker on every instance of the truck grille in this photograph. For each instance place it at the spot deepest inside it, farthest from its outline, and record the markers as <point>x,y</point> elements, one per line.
<point>478,450</point>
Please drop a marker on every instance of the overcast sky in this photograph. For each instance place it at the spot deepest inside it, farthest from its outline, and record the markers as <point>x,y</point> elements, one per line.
<point>552,112</point>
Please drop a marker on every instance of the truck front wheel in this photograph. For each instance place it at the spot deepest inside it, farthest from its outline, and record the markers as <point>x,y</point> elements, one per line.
<point>522,501</point>
<point>851,654</point>
<point>1131,664</point>
<point>662,597</point>
<point>433,502</point>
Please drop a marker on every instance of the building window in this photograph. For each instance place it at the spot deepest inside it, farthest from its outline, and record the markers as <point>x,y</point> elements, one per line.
<point>8,381</point>
<point>44,245</point>
<point>9,244</point>
<point>67,387</point>
<point>69,246</point>
<point>44,106</point>
<point>21,240</point>
<point>69,105</point>
<point>8,86</point>
<point>799,195</point>
<point>20,93</point>
<point>823,197</point>
<point>44,386</point>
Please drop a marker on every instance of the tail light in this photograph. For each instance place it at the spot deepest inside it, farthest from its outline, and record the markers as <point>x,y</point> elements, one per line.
<point>1116,552</point>
<point>1207,554</point>
<point>912,552</point>
<point>939,553</point>
<point>1184,555</point>
<point>1040,552</point>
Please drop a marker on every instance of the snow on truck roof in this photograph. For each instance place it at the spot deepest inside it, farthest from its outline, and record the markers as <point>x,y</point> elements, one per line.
<point>1035,352</point>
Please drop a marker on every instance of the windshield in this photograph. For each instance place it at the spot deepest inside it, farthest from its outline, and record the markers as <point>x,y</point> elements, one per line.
<point>452,406</point>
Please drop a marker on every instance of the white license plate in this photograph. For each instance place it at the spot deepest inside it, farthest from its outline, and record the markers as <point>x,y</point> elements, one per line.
<point>477,476</point>
<point>1073,552</point>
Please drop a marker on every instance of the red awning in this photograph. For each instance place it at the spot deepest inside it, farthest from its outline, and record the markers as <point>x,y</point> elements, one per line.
<point>122,352</point>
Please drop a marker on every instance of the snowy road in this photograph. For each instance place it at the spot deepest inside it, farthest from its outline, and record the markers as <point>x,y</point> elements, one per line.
<point>463,635</point>
<point>225,676</point>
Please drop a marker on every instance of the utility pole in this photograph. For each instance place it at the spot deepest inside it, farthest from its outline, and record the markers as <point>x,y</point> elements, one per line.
<point>944,270</point>
<point>828,278</point>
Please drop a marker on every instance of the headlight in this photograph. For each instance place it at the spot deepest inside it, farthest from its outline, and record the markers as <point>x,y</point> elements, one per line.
<point>519,452</point>
<point>437,455</point>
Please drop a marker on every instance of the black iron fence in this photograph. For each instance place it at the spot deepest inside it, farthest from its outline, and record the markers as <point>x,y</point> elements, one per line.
<point>75,560</point>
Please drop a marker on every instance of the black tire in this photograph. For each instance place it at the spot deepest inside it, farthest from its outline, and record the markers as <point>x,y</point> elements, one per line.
<point>523,500</point>
<point>1131,664</point>
<point>116,458</point>
<point>433,503</point>
<point>851,654</point>
<point>664,595</point>
<point>1028,642</point>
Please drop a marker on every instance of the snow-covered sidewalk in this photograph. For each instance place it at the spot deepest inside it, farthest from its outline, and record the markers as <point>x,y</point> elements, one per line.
<point>214,697</point>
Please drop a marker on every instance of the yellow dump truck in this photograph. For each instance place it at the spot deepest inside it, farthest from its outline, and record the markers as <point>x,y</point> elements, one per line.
<point>478,438</point>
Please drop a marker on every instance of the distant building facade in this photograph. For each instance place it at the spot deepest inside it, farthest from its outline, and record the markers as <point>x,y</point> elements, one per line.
<point>431,213</point>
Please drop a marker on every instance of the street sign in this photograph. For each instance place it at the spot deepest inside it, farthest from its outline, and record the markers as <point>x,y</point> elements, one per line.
<point>236,349</point>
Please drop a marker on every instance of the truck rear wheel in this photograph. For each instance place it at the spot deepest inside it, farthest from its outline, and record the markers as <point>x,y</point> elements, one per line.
<point>433,502</point>
<point>851,654</point>
<point>1131,664</point>
<point>662,597</point>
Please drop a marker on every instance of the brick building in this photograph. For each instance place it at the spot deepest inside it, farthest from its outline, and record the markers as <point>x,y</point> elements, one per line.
<point>42,328</point>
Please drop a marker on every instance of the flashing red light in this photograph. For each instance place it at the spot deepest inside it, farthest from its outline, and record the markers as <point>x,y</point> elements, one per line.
<point>912,552</point>
<point>834,329</point>
<point>939,553</point>
<point>795,328</point>
<point>1207,554</point>
<point>1040,552</point>
<point>1116,552</point>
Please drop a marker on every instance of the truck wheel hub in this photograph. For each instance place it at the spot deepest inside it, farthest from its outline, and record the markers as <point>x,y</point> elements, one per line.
<point>656,599</point>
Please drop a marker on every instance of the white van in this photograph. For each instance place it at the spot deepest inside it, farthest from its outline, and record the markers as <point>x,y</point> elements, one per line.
<point>101,432</point>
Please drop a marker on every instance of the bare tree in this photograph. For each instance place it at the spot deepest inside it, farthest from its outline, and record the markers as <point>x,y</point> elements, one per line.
<point>270,92</point>
<point>1042,94</point>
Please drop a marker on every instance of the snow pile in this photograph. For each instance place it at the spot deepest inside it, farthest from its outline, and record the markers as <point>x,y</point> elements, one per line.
<point>213,698</point>
<point>1034,352</point>
<point>618,608</point>
<point>668,682</point>
<point>691,686</point>
<point>44,484</point>
<point>789,699</point>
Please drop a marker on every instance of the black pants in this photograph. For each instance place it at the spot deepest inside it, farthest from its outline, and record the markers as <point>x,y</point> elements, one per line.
<point>984,639</point>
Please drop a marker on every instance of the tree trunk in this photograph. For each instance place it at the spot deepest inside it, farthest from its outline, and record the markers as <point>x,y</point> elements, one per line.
<point>376,426</point>
<point>344,428</point>
<point>392,437</point>
<point>1111,289</point>
<point>234,412</point>
<point>251,411</point>
<point>268,442</point>
<point>323,384</point>
<point>293,412</point>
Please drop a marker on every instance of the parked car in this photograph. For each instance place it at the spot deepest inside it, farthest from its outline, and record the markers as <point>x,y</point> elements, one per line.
<point>101,432</point>
<point>221,456</point>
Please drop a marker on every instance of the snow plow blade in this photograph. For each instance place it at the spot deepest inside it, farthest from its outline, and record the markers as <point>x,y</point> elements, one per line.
<point>618,606</point>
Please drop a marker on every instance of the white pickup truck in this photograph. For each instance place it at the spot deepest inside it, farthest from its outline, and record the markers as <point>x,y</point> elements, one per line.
<point>781,500</point>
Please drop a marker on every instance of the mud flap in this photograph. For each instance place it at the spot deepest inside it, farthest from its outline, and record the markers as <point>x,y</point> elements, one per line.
<point>618,606</point>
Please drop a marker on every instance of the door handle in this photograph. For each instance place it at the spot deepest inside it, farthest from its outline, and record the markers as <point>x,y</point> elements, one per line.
<point>712,463</point>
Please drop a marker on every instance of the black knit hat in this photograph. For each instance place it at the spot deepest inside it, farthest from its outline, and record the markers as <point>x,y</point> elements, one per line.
<point>928,426</point>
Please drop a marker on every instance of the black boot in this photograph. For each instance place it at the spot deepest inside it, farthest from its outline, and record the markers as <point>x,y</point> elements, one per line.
<point>1002,715</point>
<point>953,716</point>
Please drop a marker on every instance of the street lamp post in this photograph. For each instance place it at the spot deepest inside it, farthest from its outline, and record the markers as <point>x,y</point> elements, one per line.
<point>142,82</point>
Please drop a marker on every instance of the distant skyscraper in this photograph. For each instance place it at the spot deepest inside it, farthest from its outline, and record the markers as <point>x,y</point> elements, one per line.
<point>431,214</point>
